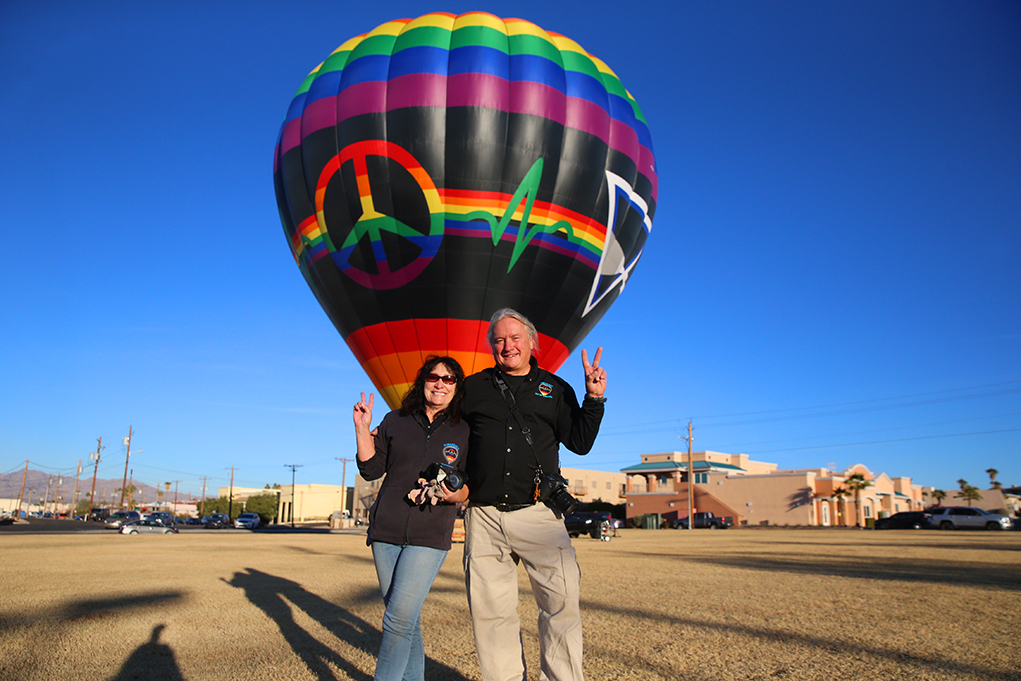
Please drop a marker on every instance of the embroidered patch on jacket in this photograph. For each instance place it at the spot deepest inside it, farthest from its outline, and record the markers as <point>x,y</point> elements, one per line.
<point>545,390</point>
<point>451,451</point>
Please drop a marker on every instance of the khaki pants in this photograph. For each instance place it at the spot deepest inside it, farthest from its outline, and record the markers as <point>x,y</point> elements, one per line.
<point>494,544</point>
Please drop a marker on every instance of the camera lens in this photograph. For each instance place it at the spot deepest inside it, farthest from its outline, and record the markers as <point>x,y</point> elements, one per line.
<point>455,480</point>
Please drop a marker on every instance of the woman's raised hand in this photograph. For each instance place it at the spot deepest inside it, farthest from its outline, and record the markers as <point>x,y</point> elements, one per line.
<point>363,413</point>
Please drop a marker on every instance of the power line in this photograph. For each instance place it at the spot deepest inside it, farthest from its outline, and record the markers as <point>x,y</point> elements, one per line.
<point>866,432</point>
<point>876,399</point>
<point>880,442</point>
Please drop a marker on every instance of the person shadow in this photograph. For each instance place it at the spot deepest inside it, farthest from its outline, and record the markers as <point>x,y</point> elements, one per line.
<point>152,660</point>
<point>275,596</point>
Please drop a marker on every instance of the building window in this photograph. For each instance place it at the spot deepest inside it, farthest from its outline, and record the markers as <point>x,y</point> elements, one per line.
<point>609,485</point>
<point>868,510</point>
<point>701,478</point>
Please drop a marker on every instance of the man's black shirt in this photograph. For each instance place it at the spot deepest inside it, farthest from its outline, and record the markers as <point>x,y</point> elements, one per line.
<point>501,465</point>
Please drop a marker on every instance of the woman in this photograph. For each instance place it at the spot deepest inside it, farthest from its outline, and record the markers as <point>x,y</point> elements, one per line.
<point>409,542</point>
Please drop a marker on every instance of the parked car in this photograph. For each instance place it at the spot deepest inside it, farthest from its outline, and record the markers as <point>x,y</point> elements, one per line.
<point>164,516</point>
<point>597,524</point>
<point>906,520</point>
<point>218,521</point>
<point>148,526</point>
<point>958,517</point>
<point>194,521</point>
<point>247,521</point>
<point>117,519</point>
<point>705,520</point>
<point>99,514</point>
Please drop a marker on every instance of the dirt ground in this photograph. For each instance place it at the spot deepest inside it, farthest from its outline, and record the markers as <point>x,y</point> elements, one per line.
<point>657,604</point>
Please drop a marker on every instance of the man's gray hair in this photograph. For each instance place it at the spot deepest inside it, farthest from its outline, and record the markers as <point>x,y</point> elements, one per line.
<point>513,314</point>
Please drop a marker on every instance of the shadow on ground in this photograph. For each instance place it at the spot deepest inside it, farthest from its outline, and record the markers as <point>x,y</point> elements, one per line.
<point>153,660</point>
<point>867,567</point>
<point>275,596</point>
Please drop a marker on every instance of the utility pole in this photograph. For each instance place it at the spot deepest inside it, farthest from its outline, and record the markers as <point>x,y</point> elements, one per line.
<point>74,500</point>
<point>202,504</point>
<point>176,483</point>
<point>124,485</point>
<point>230,499</point>
<point>46,497</point>
<point>292,466</point>
<point>21,494</point>
<point>92,495</point>
<point>691,480</point>
<point>343,484</point>
<point>56,497</point>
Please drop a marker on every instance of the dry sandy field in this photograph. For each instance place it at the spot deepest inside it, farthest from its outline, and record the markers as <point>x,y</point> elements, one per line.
<point>658,605</point>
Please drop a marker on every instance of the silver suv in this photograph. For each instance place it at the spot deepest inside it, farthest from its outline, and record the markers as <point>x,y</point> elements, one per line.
<point>958,517</point>
<point>117,520</point>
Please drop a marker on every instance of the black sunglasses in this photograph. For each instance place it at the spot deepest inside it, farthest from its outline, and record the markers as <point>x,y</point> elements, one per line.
<point>448,379</point>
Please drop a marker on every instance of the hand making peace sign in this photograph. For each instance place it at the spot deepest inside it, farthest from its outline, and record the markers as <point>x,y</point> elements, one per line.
<point>595,375</point>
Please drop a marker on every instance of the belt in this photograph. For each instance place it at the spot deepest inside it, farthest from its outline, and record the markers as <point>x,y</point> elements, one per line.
<point>506,508</point>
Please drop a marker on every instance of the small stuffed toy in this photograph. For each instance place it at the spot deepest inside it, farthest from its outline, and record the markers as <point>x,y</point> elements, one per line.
<point>428,490</point>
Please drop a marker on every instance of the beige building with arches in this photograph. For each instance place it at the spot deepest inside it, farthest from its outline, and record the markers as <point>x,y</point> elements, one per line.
<point>759,493</point>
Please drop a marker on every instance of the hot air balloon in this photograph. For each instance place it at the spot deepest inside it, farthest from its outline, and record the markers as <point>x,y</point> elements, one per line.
<point>436,169</point>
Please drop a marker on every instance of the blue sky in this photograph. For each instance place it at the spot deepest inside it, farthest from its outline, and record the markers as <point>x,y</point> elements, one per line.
<point>831,278</point>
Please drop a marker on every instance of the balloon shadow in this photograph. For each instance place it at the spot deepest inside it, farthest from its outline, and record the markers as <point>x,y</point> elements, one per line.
<point>275,596</point>
<point>152,660</point>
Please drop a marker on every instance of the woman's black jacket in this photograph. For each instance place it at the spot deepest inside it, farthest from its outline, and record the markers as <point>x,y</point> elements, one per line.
<point>405,446</point>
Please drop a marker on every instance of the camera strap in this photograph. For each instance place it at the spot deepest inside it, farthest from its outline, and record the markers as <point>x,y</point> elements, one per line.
<point>512,404</point>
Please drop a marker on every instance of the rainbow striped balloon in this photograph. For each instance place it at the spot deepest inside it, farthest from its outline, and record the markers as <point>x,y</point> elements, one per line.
<point>437,169</point>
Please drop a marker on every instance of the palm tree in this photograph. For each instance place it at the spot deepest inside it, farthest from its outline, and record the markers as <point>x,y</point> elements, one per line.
<point>840,494</point>
<point>992,478</point>
<point>856,483</point>
<point>969,493</point>
<point>962,483</point>
<point>939,495</point>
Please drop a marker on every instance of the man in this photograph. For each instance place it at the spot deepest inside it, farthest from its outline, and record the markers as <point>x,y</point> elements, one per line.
<point>519,414</point>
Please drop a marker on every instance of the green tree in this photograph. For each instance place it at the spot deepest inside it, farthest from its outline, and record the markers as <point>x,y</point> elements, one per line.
<point>962,483</point>
<point>992,478</point>
<point>263,504</point>
<point>221,505</point>
<point>856,483</point>
<point>969,493</point>
<point>939,495</point>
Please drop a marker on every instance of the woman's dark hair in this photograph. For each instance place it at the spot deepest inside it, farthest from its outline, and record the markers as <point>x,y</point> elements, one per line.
<point>414,399</point>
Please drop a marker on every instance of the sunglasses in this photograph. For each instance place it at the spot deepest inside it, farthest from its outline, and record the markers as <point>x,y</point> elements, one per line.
<point>448,379</point>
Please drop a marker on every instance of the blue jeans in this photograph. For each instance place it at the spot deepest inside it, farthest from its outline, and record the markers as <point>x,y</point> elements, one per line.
<point>406,574</point>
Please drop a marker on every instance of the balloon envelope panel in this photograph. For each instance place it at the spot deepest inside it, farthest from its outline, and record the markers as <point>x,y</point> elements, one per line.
<point>437,169</point>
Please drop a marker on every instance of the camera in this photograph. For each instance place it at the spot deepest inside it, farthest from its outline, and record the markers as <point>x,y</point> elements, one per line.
<point>553,492</point>
<point>448,475</point>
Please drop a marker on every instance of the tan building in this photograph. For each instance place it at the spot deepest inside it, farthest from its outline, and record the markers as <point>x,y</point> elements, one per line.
<point>364,496</point>
<point>758,493</point>
<point>588,486</point>
<point>993,500</point>
<point>312,503</point>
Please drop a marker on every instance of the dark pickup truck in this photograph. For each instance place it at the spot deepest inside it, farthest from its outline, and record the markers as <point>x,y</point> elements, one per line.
<point>705,520</point>
<point>597,525</point>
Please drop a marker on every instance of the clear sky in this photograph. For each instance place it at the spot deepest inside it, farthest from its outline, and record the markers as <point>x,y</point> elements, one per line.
<point>832,275</point>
